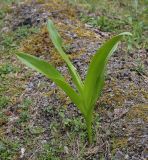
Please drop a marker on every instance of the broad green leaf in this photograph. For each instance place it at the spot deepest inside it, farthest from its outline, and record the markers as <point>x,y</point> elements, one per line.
<point>95,75</point>
<point>98,88</point>
<point>39,65</point>
<point>75,98</point>
<point>50,72</point>
<point>57,41</point>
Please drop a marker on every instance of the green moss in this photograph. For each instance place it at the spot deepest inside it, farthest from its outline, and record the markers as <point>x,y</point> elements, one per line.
<point>40,43</point>
<point>119,143</point>
<point>118,95</point>
<point>138,111</point>
<point>116,98</point>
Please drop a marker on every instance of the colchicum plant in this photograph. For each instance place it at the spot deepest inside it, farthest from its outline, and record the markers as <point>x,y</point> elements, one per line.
<point>86,93</point>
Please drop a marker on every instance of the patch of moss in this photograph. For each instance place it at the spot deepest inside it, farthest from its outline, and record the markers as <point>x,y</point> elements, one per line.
<point>2,132</point>
<point>119,143</point>
<point>40,1</point>
<point>40,44</point>
<point>116,96</point>
<point>58,6</point>
<point>138,111</point>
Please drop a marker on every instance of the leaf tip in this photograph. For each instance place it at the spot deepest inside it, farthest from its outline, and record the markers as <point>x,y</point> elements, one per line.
<point>126,34</point>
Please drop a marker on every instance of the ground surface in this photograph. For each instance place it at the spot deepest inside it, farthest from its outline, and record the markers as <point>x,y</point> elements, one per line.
<point>37,120</point>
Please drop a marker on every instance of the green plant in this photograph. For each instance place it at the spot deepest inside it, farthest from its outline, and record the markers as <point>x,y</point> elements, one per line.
<point>3,102</point>
<point>24,31</point>
<point>10,1</point>
<point>132,16</point>
<point>8,41</point>
<point>104,23</point>
<point>139,68</point>
<point>8,148</point>
<point>87,92</point>
<point>24,111</point>
<point>6,69</point>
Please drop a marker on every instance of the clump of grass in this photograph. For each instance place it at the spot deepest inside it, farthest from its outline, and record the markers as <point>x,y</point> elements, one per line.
<point>132,15</point>
<point>11,40</point>
<point>86,93</point>
<point>6,69</point>
<point>3,102</point>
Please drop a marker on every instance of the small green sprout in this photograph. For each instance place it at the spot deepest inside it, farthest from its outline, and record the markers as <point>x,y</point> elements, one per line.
<point>87,92</point>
